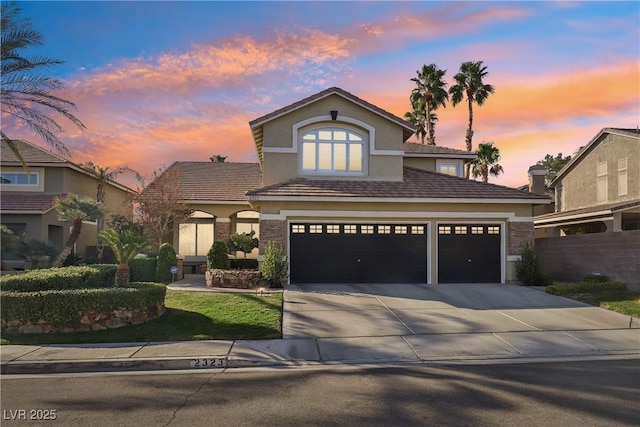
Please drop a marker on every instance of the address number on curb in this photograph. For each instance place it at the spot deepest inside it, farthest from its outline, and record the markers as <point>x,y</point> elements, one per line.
<point>209,362</point>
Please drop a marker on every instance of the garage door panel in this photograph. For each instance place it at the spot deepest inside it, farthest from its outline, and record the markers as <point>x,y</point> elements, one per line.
<point>469,253</point>
<point>358,257</point>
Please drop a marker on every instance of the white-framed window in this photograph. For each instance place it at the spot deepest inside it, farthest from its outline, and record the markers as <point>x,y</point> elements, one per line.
<point>477,230</point>
<point>333,229</point>
<point>444,229</point>
<point>350,229</point>
<point>315,229</point>
<point>461,229</point>
<point>384,229</point>
<point>450,168</point>
<point>493,229</point>
<point>602,185</point>
<point>196,234</point>
<point>333,150</point>
<point>366,229</point>
<point>298,228</point>
<point>417,229</point>
<point>401,229</point>
<point>622,177</point>
<point>20,178</point>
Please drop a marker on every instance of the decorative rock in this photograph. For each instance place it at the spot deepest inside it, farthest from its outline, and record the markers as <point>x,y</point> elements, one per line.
<point>115,323</point>
<point>85,320</point>
<point>98,327</point>
<point>14,323</point>
<point>83,328</point>
<point>31,329</point>
<point>66,329</point>
<point>138,319</point>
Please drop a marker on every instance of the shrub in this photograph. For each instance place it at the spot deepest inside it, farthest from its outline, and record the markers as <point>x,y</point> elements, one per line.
<point>94,276</point>
<point>245,263</point>
<point>596,278</point>
<point>218,256</point>
<point>166,259</point>
<point>66,306</point>
<point>528,269</point>
<point>274,264</point>
<point>143,269</point>
<point>243,242</point>
<point>582,287</point>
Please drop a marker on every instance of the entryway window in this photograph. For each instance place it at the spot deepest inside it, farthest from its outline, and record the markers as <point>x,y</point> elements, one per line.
<point>196,234</point>
<point>331,150</point>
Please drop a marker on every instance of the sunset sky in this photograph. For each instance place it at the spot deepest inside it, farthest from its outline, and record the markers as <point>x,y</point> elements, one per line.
<point>156,82</point>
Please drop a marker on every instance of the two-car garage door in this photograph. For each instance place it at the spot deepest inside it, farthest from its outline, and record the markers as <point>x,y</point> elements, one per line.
<point>393,253</point>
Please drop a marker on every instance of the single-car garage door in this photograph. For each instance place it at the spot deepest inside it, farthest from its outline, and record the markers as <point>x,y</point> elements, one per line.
<point>358,253</point>
<point>469,253</point>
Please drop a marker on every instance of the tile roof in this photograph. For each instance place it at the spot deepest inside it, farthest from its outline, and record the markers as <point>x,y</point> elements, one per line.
<point>31,153</point>
<point>414,148</point>
<point>21,202</point>
<point>217,181</point>
<point>417,184</point>
<point>591,210</point>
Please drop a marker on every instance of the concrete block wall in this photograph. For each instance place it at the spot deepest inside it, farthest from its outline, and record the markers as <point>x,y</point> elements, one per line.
<point>571,258</point>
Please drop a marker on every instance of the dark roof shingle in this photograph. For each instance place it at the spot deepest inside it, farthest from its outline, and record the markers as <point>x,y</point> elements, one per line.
<point>217,181</point>
<point>28,202</point>
<point>416,184</point>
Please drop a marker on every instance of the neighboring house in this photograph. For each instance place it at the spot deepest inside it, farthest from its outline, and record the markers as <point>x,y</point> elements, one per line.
<point>27,199</point>
<point>596,226</point>
<point>599,189</point>
<point>351,201</point>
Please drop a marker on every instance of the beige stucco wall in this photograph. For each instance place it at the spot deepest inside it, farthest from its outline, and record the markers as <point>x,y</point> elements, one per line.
<point>278,134</point>
<point>579,186</point>
<point>427,164</point>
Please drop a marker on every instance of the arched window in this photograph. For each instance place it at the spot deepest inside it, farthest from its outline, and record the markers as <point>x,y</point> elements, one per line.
<point>333,150</point>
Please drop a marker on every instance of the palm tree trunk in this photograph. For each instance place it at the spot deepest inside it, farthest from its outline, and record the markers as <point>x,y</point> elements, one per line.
<point>428,123</point>
<point>76,228</point>
<point>122,275</point>
<point>469,136</point>
<point>100,222</point>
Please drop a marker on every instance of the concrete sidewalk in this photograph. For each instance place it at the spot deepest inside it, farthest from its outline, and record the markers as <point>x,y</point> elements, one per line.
<point>432,348</point>
<point>363,324</point>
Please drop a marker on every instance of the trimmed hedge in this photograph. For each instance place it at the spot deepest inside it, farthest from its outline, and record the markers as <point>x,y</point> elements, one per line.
<point>143,269</point>
<point>247,264</point>
<point>93,276</point>
<point>61,307</point>
<point>166,259</point>
<point>590,286</point>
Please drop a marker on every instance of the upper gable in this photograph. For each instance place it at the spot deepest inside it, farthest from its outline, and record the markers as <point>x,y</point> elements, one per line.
<point>606,170</point>
<point>368,141</point>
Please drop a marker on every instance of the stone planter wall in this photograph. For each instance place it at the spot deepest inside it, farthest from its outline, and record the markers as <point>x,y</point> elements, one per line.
<point>89,321</point>
<point>240,279</point>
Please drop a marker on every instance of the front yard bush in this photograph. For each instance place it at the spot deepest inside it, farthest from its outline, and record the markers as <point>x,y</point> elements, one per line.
<point>245,263</point>
<point>529,270</point>
<point>62,307</point>
<point>93,276</point>
<point>218,256</point>
<point>166,259</point>
<point>143,269</point>
<point>586,287</point>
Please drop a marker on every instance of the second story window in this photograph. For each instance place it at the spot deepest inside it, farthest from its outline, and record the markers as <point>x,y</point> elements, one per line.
<point>20,178</point>
<point>333,151</point>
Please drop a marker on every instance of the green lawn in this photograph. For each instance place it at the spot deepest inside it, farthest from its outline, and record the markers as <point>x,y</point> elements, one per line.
<point>189,316</point>
<point>624,302</point>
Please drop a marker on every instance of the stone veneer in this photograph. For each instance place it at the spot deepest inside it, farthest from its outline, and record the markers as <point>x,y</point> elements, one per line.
<point>272,231</point>
<point>222,230</point>
<point>520,234</point>
<point>91,320</point>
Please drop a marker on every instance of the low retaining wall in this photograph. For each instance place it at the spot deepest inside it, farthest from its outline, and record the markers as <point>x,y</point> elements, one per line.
<point>89,321</point>
<point>571,258</point>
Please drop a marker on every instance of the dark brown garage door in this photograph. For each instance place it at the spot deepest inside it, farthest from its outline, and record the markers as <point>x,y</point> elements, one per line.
<point>358,253</point>
<point>469,253</point>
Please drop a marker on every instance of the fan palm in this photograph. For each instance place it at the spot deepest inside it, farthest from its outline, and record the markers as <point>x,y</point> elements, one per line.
<point>487,162</point>
<point>469,85</point>
<point>125,246</point>
<point>104,175</point>
<point>76,209</point>
<point>25,92</point>
<point>429,94</point>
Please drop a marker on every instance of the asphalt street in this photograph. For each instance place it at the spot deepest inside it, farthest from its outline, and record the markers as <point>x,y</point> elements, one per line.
<point>591,393</point>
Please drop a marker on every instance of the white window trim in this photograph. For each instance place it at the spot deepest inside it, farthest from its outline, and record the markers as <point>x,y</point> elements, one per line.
<point>458,163</point>
<point>337,126</point>
<point>38,187</point>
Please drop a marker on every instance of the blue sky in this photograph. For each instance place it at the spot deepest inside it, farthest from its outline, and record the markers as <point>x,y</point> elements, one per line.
<point>181,80</point>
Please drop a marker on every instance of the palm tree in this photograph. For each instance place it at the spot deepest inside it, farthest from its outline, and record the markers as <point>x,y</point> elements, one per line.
<point>104,175</point>
<point>25,92</point>
<point>416,118</point>
<point>429,94</point>
<point>218,158</point>
<point>487,161</point>
<point>76,209</point>
<point>125,245</point>
<point>469,84</point>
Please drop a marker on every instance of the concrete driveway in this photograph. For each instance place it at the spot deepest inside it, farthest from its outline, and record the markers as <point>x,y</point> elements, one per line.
<point>405,321</point>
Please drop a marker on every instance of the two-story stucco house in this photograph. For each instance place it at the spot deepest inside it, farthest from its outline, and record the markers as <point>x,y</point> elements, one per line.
<point>599,189</point>
<point>352,201</point>
<point>27,199</point>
